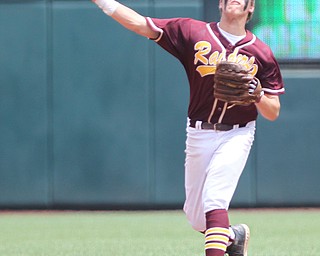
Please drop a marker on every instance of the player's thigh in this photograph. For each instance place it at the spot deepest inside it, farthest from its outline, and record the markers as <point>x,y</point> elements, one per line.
<point>200,147</point>
<point>225,169</point>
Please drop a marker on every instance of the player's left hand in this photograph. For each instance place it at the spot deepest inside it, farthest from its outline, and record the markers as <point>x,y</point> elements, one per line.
<point>255,89</point>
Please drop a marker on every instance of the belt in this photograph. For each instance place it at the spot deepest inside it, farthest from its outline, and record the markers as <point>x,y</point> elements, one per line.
<point>217,126</point>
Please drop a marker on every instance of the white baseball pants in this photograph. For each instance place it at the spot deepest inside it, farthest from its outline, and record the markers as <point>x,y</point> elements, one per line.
<point>213,165</point>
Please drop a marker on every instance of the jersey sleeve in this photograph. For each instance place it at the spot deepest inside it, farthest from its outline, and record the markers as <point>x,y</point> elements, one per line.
<point>270,75</point>
<point>174,34</point>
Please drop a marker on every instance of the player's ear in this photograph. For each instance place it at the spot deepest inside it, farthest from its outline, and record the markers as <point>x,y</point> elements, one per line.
<point>251,8</point>
<point>220,6</point>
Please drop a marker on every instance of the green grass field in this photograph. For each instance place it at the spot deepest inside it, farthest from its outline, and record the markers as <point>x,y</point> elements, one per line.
<point>151,233</point>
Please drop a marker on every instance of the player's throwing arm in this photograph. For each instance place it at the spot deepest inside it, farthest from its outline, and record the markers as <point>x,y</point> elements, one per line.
<point>126,17</point>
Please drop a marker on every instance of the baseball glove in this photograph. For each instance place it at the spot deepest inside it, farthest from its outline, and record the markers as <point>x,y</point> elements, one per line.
<point>234,84</point>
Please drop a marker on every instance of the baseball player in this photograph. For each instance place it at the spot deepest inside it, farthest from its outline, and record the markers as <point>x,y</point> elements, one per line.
<point>219,133</point>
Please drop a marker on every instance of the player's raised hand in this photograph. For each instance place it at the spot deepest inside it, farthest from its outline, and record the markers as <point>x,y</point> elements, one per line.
<point>108,6</point>
<point>127,17</point>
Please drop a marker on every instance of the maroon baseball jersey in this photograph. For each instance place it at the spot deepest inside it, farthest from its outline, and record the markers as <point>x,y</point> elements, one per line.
<point>199,46</point>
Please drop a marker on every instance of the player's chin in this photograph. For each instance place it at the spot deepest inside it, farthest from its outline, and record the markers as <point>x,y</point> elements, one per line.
<point>236,14</point>
<point>235,11</point>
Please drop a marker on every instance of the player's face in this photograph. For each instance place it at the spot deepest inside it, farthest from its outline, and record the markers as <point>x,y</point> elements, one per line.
<point>239,3</point>
<point>236,6</point>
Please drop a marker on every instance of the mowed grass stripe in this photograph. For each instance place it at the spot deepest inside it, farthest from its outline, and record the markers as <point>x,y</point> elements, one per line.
<point>151,233</point>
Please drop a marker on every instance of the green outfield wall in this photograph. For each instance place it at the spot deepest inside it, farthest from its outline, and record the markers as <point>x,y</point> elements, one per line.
<point>93,116</point>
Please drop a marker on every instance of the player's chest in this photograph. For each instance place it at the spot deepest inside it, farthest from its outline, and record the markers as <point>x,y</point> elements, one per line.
<point>207,53</point>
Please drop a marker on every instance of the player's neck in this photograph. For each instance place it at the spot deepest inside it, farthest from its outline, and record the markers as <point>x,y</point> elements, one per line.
<point>235,27</point>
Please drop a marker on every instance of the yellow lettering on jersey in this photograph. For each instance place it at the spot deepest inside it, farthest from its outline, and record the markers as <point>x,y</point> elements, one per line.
<point>206,70</point>
<point>210,69</point>
<point>233,56</point>
<point>216,57</point>
<point>203,48</point>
